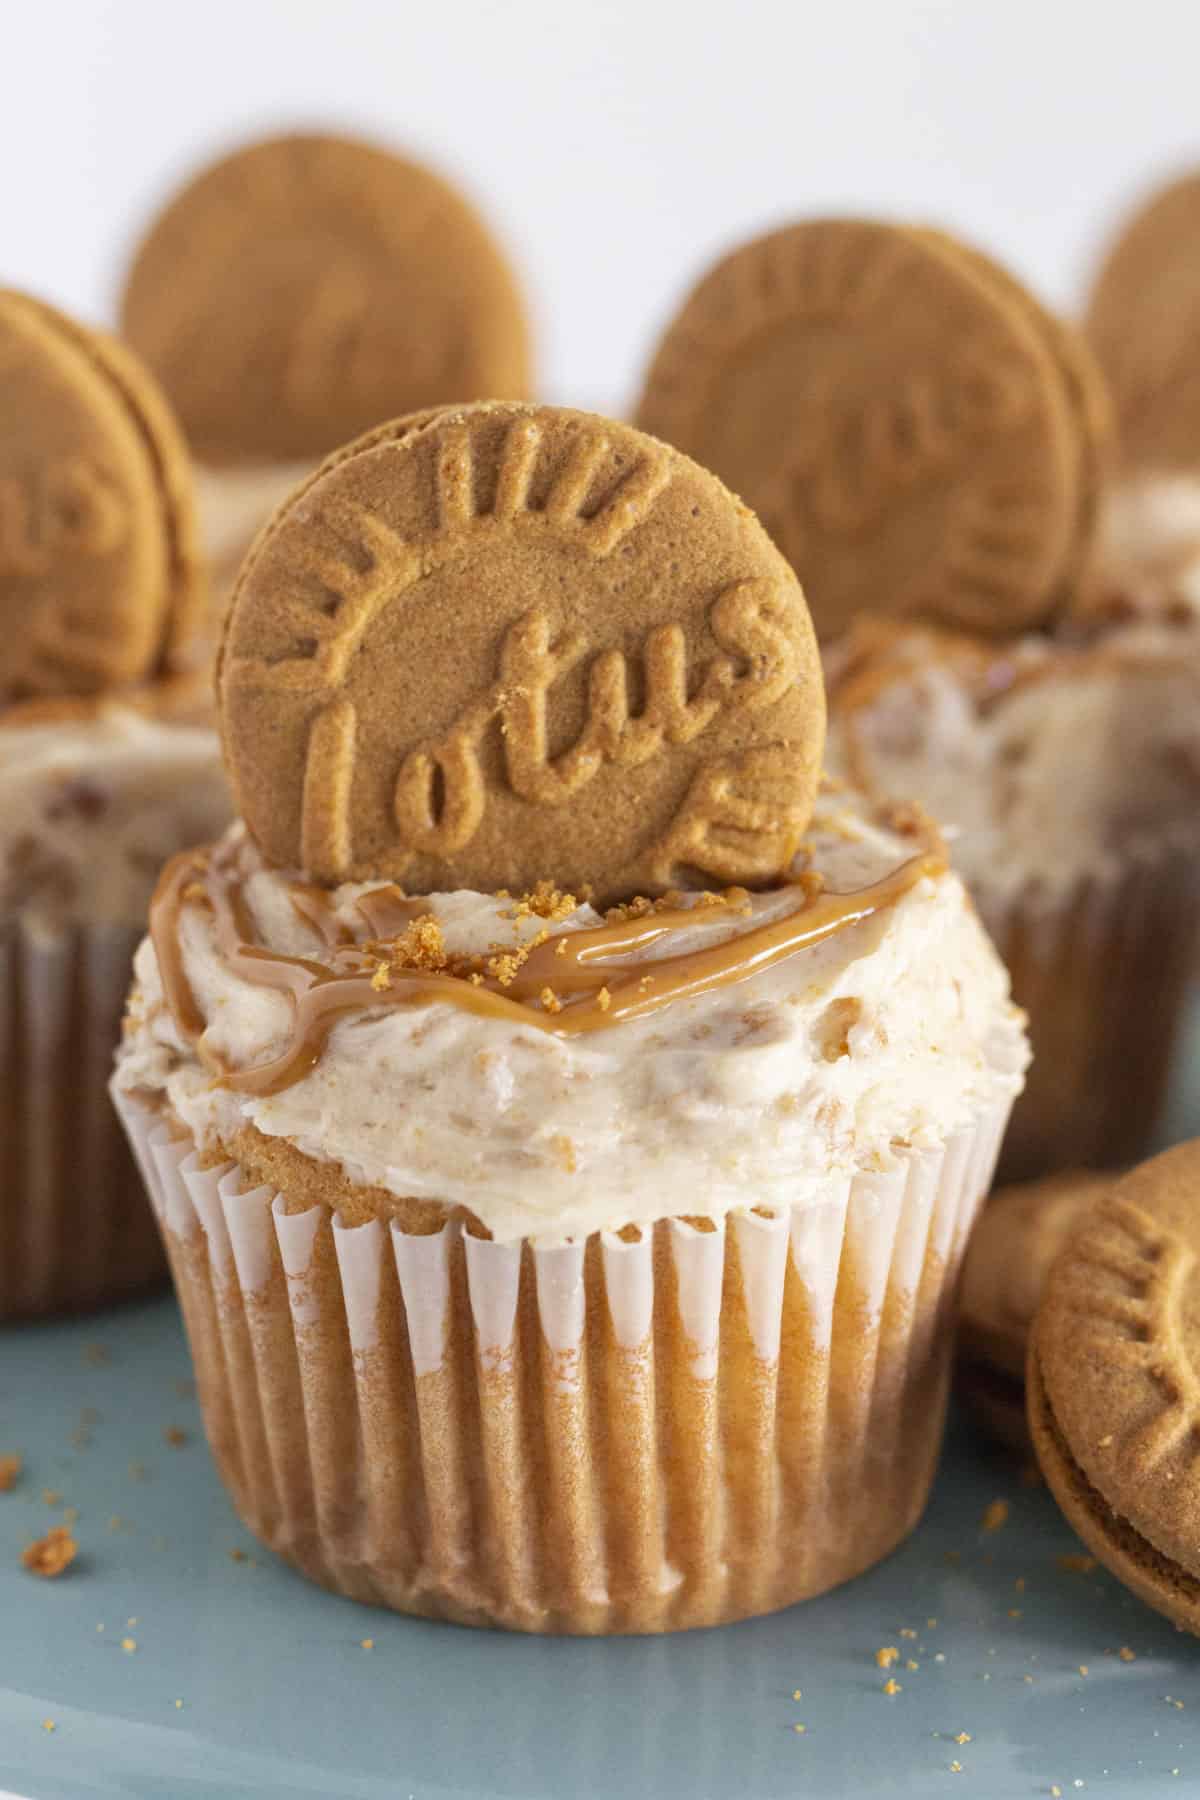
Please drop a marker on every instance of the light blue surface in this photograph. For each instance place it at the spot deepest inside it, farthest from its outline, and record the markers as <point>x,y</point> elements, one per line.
<point>279,1698</point>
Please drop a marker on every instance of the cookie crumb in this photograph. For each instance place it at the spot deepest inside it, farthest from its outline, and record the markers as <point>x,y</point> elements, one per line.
<point>367,1644</point>
<point>175,1436</point>
<point>50,1555</point>
<point>1083,1668</point>
<point>179,1706</point>
<point>910,1664</point>
<point>800,1729</point>
<point>886,1655</point>
<point>49,1725</point>
<point>51,1497</point>
<point>129,1645</point>
<point>1126,1654</point>
<point>238,1556</point>
<point>1075,1563</point>
<point>956,1768</point>
<point>892,1686</point>
<point>962,1737</point>
<point>797,1695</point>
<point>995,1516</point>
<point>10,1470</point>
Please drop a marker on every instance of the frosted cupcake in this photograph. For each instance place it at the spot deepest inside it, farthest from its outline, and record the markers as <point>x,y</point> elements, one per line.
<point>560,1263</point>
<point>1066,772</point>
<point>300,290</point>
<point>107,767</point>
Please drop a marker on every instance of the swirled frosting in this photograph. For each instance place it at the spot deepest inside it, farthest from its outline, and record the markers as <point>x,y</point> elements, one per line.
<point>1047,760</point>
<point>94,797</point>
<point>748,1047</point>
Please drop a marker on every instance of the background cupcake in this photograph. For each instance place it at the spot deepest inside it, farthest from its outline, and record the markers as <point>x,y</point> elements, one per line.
<point>296,292</point>
<point>931,448</point>
<point>631,1307</point>
<point>100,779</point>
<point>1066,771</point>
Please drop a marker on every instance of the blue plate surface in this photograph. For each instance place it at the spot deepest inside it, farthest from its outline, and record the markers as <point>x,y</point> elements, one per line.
<point>175,1658</point>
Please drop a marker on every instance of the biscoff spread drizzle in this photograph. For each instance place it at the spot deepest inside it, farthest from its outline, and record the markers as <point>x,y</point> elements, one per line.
<point>568,984</point>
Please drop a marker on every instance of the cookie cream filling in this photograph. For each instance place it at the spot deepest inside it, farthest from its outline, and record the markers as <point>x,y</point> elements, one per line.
<point>1046,759</point>
<point>94,797</point>
<point>748,1046</point>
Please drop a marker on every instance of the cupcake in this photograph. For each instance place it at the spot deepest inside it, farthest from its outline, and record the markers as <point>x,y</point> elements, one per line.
<point>297,292</point>
<point>565,1115</point>
<point>1065,769</point>
<point>933,451</point>
<point>108,764</point>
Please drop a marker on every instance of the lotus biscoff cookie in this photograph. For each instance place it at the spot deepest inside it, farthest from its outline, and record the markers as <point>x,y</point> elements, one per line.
<point>1143,320</point>
<point>1020,1232</point>
<point>479,661</point>
<point>306,287</point>
<point>1113,1390</point>
<point>521,642</point>
<point>902,420</point>
<point>1091,409</point>
<point>99,580</point>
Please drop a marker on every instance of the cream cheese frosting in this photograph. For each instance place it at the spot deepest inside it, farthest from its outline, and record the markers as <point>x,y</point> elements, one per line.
<point>234,503</point>
<point>1048,760</point>
<point>93,799</point>
<point>1150,543</point>
<point>891,1033</point>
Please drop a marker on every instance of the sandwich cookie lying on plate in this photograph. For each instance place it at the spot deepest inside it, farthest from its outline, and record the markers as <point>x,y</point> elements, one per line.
<point>1113,1384</point>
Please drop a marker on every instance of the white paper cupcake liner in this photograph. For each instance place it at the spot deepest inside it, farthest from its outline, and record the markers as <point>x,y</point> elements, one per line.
<point>75,1229</point>
<point>664,1428</point>
<point>1103,971</point>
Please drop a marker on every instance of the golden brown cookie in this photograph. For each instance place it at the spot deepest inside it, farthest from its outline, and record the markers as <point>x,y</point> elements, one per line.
<point>306,287</point>
<point>1020,1232</point>
<point>900,423</point>
<point>1090,404</point>
<point>99,575</point>
<point>1114,1382</point>
<point>516,643</point>
<point>1143,319</point>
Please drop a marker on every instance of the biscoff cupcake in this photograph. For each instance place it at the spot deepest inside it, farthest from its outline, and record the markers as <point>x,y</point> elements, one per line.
<point>565,1116</point>
<point>300,290</point>
<point>108,764</point>
<point>1065,768</point>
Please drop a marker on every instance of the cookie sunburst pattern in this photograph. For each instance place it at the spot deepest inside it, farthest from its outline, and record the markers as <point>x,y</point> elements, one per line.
<point>1132,1320</point>
<point>330,633</point>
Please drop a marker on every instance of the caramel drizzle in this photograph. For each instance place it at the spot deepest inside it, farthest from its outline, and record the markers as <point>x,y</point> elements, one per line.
<point>595,989</point>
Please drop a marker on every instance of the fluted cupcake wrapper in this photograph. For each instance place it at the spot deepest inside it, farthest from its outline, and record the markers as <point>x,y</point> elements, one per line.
<point>75,1229</point>
<point>1104,971</point>
<point>663,1428</point>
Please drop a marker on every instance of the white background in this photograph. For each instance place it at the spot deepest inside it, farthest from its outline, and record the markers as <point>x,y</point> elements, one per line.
<point>617,146</point>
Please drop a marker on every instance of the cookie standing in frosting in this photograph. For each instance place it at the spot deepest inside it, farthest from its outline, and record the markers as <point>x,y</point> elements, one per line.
<point>99,576</point>
<point>304,287</point>
<point>629,700</point>
<point>1142,319</point>
<point>919,437</point>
